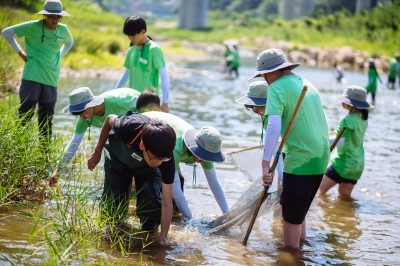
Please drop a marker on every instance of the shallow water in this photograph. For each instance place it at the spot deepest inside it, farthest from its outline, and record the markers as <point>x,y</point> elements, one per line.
<point>362,232</point>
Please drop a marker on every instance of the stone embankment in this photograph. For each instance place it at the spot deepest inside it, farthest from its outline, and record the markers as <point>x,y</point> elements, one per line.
<point>347,57</point>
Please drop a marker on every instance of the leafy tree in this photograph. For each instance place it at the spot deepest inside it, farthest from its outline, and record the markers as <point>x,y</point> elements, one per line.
<point>30,5</point>
<point>242,5</point>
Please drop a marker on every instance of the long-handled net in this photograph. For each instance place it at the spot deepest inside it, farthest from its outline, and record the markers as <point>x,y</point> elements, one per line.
<point>240,214</point>
<point>242,211</point>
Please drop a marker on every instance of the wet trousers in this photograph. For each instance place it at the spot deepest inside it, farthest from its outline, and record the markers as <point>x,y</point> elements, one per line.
<point>117,192</point>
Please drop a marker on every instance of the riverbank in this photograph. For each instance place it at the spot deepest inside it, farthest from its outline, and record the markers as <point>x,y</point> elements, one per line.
<point>346,56</point>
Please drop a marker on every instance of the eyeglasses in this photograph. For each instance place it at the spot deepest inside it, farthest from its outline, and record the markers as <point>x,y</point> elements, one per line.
<point>157,159</point>
<point>54,17</point>
<point>254,108</point>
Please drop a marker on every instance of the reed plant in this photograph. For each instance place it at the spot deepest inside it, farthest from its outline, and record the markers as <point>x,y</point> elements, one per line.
<point>73,230</point>
<point>26,157</point>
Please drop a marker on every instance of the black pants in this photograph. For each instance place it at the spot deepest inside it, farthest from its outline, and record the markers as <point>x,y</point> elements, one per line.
<point>33,93</point>
<point>117,193</point>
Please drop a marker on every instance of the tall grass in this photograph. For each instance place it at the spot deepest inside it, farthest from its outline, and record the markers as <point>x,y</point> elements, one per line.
<point>74,232</point>
<point>24,161</point>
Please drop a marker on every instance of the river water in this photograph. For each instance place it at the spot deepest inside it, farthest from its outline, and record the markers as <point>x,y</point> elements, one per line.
<point>365,231</point>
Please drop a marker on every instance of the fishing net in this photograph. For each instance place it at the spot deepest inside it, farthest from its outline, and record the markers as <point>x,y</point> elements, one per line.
<point>240,214</point>
<point>242,211</point>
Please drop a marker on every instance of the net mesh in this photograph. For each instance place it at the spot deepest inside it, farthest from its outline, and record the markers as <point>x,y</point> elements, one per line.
<point>242,211</point>
<point>238,219</point>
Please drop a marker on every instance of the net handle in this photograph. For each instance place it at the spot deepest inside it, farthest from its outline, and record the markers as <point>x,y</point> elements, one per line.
<point>245,149</point>
<point>275,162</point>
<point>338,136</point>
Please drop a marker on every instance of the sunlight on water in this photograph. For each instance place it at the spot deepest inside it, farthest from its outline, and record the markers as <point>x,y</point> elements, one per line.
<point>364,231</point>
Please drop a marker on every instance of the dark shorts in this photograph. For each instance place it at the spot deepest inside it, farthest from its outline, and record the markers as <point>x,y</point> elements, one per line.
<point>297,195</point>
<point>391,80</point>
<point>332,174</point>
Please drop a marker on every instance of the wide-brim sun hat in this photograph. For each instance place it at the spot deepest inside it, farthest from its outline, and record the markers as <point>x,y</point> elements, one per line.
<point>53,7</point>
<point>271,60</point>
<point>81,99</point>
<point>355,96</point>
<point>205,144</point>
<point>256,94</point>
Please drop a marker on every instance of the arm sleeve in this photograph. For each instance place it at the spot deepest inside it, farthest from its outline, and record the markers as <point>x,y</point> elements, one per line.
<point>123,79</point>
<point>8,34</point>
<point>164,83</point>
<point>66,47</point>
<point>332,139</point>
<point>216,189</point>
<point>271,136</point>
<point>179,197</point>
<point>71,148</point>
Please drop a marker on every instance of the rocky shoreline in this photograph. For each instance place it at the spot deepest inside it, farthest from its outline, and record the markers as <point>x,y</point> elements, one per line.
<point>347,57</point>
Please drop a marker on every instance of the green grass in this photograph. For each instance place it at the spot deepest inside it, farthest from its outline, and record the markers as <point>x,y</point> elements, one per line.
<point>376,32</point>
<point>25,161</point>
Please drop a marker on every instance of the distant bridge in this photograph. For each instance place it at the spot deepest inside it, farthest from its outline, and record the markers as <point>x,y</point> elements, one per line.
<point>193,13</point>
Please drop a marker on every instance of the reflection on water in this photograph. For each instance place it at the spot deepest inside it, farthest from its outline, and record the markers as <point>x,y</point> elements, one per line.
<point>362,232</point>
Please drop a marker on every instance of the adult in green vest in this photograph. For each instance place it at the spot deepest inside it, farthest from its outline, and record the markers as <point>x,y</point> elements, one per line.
<point>46,42</point>
<point>306,150</point>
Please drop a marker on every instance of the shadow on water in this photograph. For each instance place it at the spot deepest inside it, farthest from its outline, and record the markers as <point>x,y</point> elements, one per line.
<point>362,232</point>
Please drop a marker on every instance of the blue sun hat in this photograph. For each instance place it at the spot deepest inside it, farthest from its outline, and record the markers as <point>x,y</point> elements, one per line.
<point>53,7</point>
<point>355,96</point>
<point>205,144</point>
<point>271,60</point>
<point>81,99</point>
<point>256,94</point>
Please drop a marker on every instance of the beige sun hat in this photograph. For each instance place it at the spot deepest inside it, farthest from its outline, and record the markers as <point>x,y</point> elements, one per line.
<point>81,99</point>
<point>271,60</point>
<point>256,94</point>
<point>205,144</point>
<point>355,96</point>
<point>53,7</point>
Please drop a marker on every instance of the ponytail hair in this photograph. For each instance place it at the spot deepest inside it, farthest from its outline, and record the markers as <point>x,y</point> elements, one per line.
<point>364,113</point>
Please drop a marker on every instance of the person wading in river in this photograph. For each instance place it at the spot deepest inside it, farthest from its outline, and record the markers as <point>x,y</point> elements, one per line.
<point>306,150</point>
<point>348,163</point>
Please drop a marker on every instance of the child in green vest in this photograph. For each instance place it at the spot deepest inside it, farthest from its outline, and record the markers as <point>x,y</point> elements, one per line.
<point>373,78</point>
<point>137,147</point>
<point>144,63</point>
<point>348,162</point>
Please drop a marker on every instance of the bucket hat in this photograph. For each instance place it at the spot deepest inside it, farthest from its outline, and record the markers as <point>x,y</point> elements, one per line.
<point>355,96</point>
<point>205,144</point>
<point>271,60</point>
<point>53,7</point>
<point>81,99</point>
<point>256,94</point>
